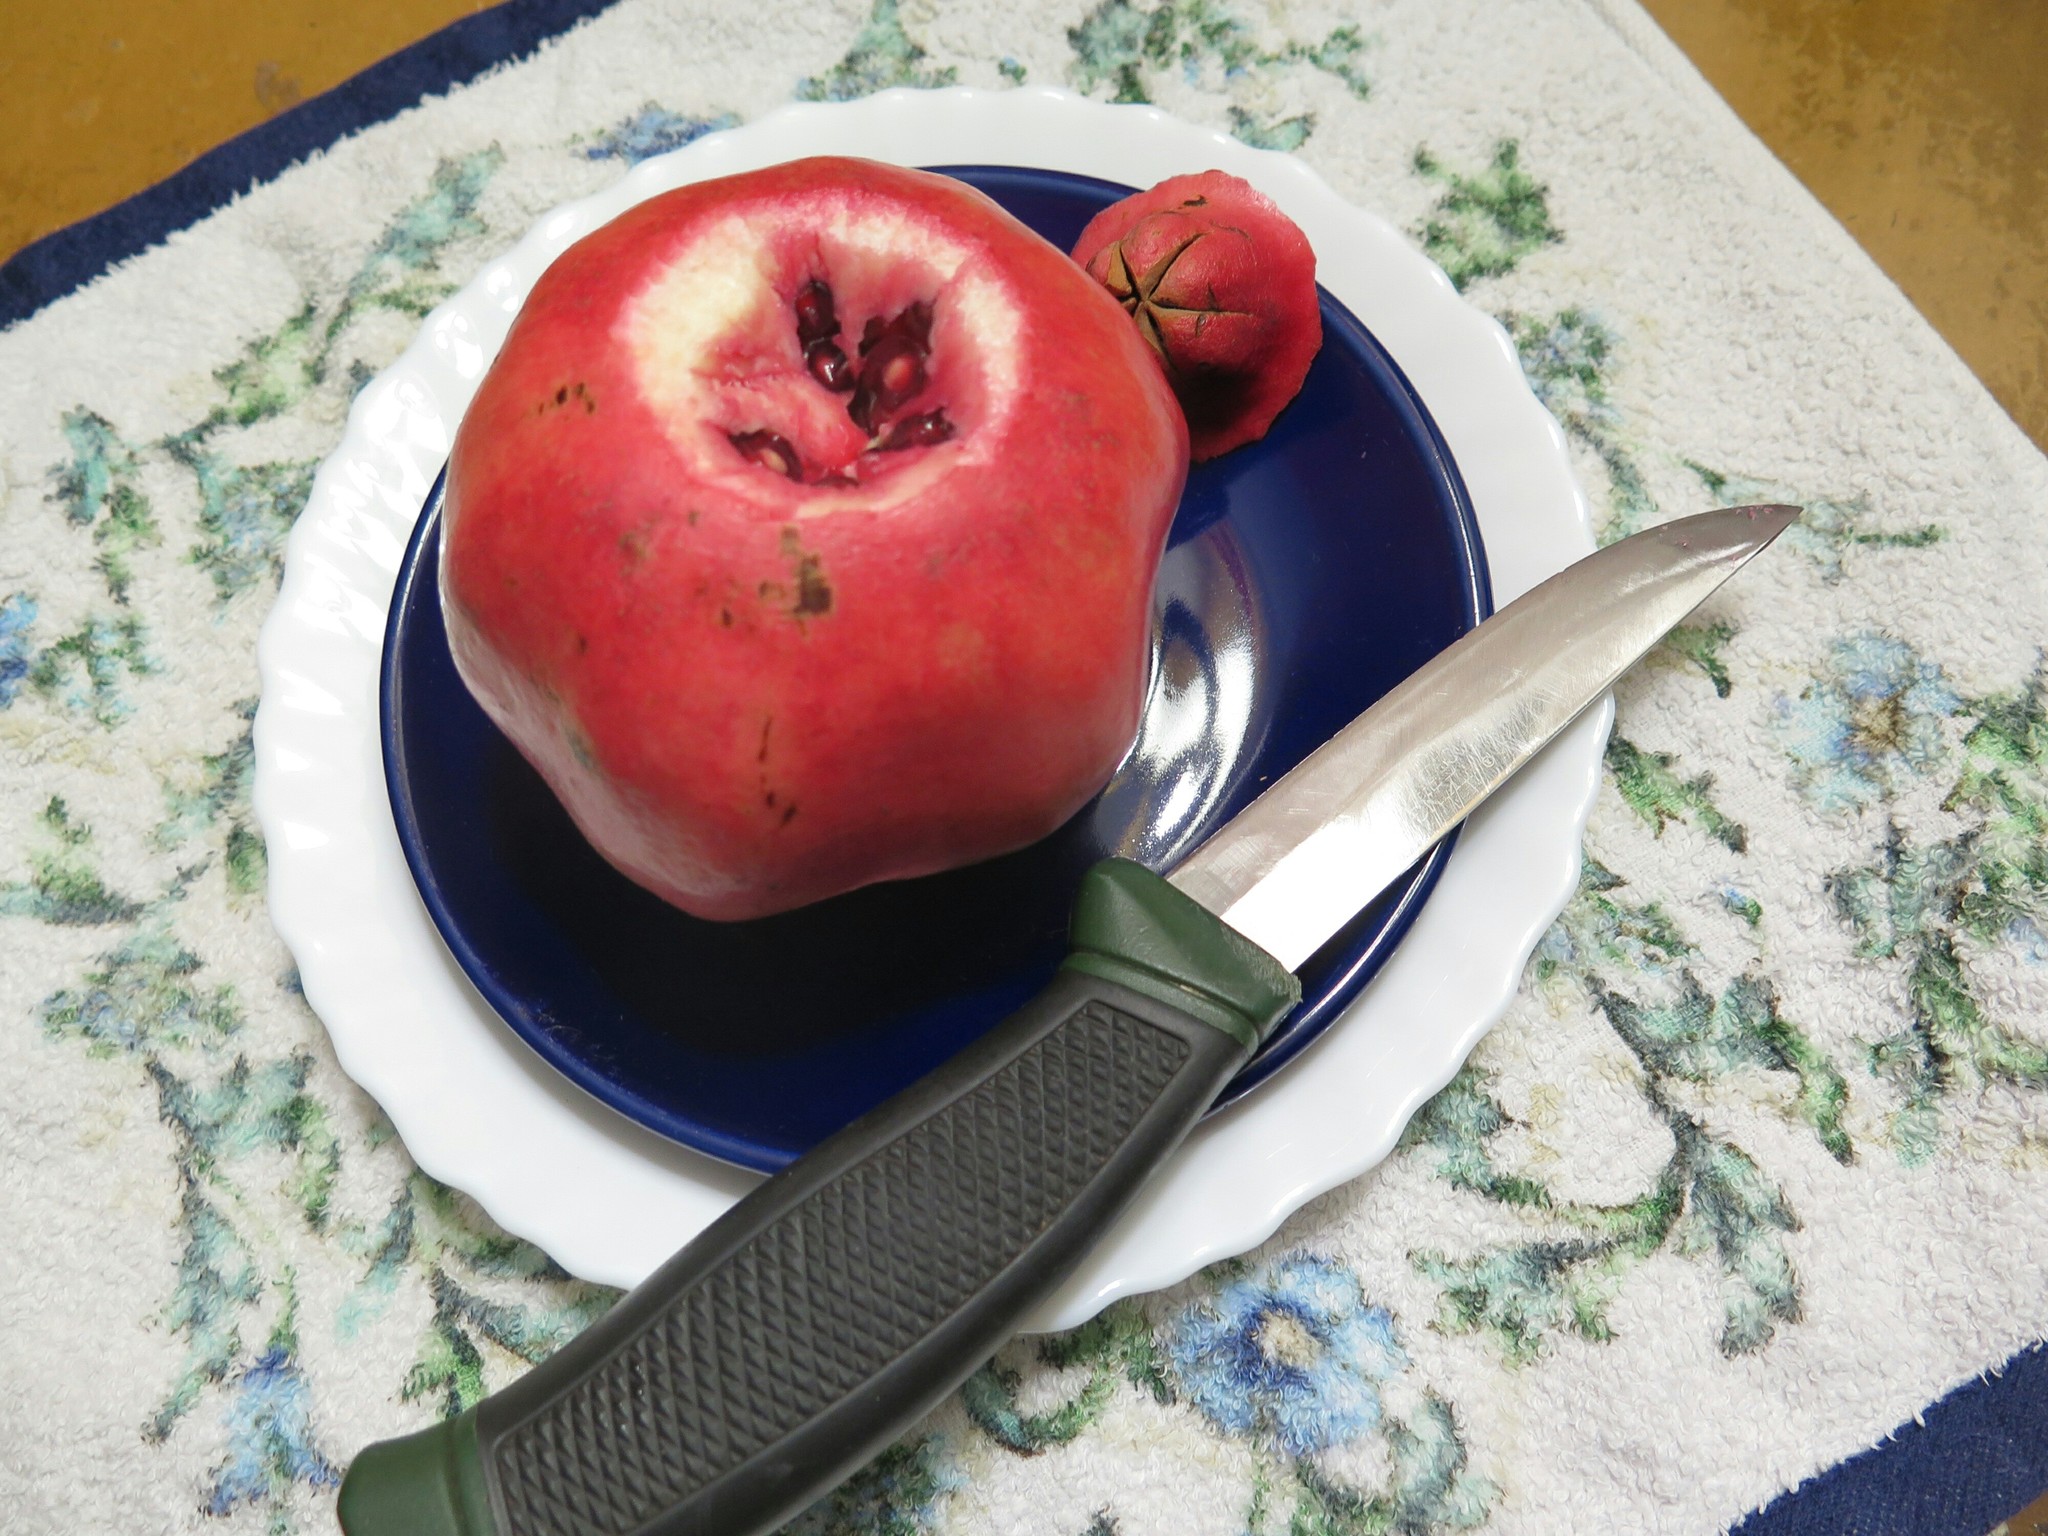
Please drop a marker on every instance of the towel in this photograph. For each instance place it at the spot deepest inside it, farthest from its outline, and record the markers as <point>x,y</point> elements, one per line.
<point>1754,1169</point>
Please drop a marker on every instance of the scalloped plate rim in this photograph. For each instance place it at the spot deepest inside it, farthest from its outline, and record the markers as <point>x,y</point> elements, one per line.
<point>607,1199</point>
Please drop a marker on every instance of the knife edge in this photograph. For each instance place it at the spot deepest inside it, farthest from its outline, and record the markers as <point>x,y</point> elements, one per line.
<point>1299,862</point>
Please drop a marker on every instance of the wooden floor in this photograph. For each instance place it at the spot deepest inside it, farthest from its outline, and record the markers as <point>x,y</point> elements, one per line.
<point>1923,124</point>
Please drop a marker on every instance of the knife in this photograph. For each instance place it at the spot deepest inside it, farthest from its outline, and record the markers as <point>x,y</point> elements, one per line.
<point>822,1315</point>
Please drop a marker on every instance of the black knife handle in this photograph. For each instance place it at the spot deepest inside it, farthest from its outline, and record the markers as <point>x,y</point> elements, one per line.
<point>822,1315</point>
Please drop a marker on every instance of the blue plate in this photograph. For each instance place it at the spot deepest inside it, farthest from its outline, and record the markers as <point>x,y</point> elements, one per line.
<point>1304,576</point>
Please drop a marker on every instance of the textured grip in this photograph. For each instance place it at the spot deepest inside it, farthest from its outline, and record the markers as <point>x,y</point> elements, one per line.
<point>820,1316</point>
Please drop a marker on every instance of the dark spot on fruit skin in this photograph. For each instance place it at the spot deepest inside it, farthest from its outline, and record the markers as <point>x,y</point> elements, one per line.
<point>694,515</point>
<point>564,393</point>
<point>768,794</point>
<point>725,617</point>
<point>634,544</point>
<point>582,645</point>
<point>788,815</point>
<point>813,592</point>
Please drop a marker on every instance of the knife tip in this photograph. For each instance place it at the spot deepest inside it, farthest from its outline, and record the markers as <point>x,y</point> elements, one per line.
<point>1726,533</point>
<point>1776,516</point>
<point>1736,531</point>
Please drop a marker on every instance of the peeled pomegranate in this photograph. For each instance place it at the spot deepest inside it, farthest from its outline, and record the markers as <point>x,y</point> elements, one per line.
<point>802,534</point>
<point>1222,285</point>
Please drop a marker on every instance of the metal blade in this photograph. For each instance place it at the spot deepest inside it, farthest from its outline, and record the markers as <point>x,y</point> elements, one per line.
<point>1299,862</point>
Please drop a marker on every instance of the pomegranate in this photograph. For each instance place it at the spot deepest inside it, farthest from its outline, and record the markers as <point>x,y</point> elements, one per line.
<point>1222,284</point>
<point>802,534</point>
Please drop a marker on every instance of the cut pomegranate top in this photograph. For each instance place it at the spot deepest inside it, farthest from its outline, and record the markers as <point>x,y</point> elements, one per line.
<point>830,340</point>
<point>802,533</point>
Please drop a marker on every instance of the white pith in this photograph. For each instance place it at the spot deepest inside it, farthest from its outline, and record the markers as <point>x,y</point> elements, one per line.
<point>694,335</point>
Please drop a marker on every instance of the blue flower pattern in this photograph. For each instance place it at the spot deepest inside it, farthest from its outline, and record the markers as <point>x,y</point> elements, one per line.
<point>1292,1352</point>
<point>17,613</point>
<point>1869,724</point>
<point>270,1436</point>
<point>654,130</point>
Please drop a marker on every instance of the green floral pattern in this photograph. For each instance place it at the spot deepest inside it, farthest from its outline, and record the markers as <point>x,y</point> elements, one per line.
<point>1711,1201</point>
<point>1486,223</point>
<point>1875,718</point>
<point>1125,52</point>
<point>251,1136</point>
<point>882,57</point>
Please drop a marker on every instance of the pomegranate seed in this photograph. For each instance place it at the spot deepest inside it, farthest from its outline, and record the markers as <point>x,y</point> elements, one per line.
<point>829,366</point>
<point>917,432</point>
<point>892,371</point>
<point>892,374</point>
<point>902,374</point>
<point>769,451</point>
<point>815,318</point>
<point>915,325</point>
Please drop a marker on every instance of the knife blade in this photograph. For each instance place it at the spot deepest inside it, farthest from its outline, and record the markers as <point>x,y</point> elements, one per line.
<point>824,1313</point>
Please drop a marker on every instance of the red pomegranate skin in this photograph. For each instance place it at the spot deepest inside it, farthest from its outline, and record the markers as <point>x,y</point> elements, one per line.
<point>1222,285</point>
<point>755,683</point>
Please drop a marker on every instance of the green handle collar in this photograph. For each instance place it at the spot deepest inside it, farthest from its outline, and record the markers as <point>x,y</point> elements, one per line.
<point>1131,927</point>
<point>426,1484</point>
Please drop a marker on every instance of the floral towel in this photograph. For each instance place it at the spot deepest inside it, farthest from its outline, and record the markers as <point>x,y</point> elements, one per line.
<point>1755,1168</point>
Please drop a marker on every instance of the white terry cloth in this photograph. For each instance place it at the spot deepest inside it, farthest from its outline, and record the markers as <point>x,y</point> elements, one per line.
<point>1752,1171</point>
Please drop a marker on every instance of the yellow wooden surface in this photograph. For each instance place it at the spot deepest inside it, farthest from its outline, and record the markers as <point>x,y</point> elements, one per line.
<point>107,96</point>
<point>2031,1521</point>
<point>1922,123</point>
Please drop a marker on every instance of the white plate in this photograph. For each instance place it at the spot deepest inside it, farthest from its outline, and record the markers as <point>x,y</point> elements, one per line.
<point>610,1200</point>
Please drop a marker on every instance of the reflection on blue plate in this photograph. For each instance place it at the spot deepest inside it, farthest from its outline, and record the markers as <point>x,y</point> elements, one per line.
<point>1305,575</point>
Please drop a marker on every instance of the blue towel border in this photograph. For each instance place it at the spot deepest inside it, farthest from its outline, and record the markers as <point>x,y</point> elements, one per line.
<point>71,257</point>
<point>1978,1456</point>
<point>1974,1458</point>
